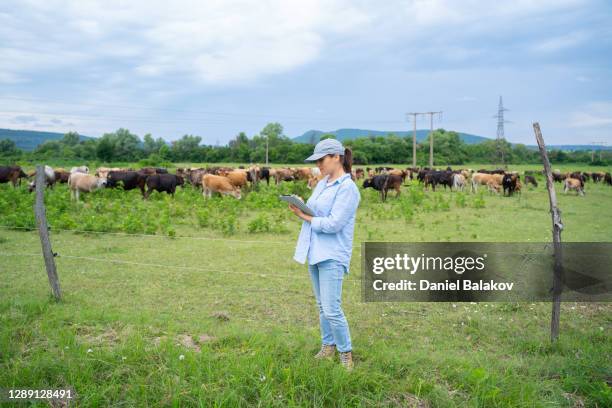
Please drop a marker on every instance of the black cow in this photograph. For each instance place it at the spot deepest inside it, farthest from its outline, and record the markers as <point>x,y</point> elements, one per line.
<point>530,179</point>
<point>128,180</point>
<point>580,176</point>
<point>384,183</point>
<point>496,171</point>
<point>13,174</point>
<point>435,177</point>
<point>163,182</point>
<point>509,183</point>
<point>608,179</point>
<point>264,173</point>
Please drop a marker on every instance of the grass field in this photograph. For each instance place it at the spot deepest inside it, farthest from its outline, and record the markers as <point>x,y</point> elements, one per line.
<point>188,302</point>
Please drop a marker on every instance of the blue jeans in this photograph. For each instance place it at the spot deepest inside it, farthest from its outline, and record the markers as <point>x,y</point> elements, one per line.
<point>326,279</point>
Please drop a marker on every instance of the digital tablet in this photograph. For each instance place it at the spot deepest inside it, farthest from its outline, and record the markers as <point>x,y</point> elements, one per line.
<point>295,200</point>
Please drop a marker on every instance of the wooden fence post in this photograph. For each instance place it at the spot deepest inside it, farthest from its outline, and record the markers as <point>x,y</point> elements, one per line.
<point>43,231</point>
<point>556,231</point>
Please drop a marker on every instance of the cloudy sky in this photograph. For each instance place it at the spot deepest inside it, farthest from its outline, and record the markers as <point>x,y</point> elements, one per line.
<point>215,68</point>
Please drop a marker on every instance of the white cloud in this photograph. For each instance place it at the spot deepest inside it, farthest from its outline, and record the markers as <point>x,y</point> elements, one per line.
<point>595,114</point>
<point>560,43</point>
<point>228,41</point>
<point>213,41</point>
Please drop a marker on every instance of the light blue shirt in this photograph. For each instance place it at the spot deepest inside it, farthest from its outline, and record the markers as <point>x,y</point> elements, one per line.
<point>329,235</point>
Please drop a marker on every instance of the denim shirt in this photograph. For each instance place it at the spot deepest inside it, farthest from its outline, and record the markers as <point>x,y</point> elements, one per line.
<point>329,235</point>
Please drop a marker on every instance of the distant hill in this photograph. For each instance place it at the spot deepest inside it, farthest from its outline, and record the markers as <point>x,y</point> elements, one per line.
<point>29,139</point>
<point>348,134</point>
<point>313,136</point>
<point>568,148</point>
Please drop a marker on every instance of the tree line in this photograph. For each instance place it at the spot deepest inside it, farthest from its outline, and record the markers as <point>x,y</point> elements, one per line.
<point>124,146</point>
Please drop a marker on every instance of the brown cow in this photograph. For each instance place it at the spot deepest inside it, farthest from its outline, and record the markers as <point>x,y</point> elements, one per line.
<point>212,183</point>
<point>283,175</point>
<point>493,185</point>
<point>573,184</point>
<point>14,174</point>
<point>484,179</point>
<point>237,177</point>
<point>313,180</point>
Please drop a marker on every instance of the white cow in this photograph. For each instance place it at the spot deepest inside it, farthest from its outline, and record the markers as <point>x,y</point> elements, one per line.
<point>80,169</point>
<point>49,177</point>
<point>86,183</point>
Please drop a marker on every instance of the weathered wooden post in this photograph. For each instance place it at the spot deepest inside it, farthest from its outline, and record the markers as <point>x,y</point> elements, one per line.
<point>43,231</point>
<point>556,231</point>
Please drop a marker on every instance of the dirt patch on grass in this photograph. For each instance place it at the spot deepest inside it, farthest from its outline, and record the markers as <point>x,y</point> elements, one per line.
<point>108,336</point>
<point>187,341</point>
<point>405,399</point>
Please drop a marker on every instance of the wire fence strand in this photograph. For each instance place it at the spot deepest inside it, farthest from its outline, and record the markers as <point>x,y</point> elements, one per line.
<point>186,267</point>
<point>242,241</point>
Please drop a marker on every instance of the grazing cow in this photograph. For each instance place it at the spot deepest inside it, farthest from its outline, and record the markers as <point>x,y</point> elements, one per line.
<point>496,171</point>
<point>80,169</point>
<point>61,175</point>
<point>484,179</point>
<point>264,174</point>
<point>153,170</point>
<point>518,188</point>
<point>212,183</point>
<point>303,173</point>
<point>163,182</point>
<point>557,176</point>
<point>83,183</point>
<point>194,176</point>
<point>14,174</point>
<point>313,180</point>
<point>608,179</point>
<point>384,183</point>
<point>573,184</point>
<point>530,180</point>
<point>49,178</point>
<point>253,175</point>
<point>579,175</point>
<point>509,183</point>
<point>434,178</point>
<point>598,176</point>
<point>493,185</point>
<point>283,175</point>
<point>458,181</point>
<point>237,177</point>
<point>103,171</point>
<point>128,180</point>
<point>397,172</point>
<point>359,174</point>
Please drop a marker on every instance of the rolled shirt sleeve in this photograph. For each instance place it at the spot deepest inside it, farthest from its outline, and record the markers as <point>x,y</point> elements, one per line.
<point>341,211</point>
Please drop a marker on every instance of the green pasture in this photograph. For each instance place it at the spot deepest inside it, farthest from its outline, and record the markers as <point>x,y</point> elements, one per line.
<point>195,302</point>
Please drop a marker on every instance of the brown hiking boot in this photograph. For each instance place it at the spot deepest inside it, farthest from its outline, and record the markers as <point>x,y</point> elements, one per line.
<point>346,358</point>
<point>327,351</point>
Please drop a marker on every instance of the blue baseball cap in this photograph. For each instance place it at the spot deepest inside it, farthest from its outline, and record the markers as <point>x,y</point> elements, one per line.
<point>325,147</point>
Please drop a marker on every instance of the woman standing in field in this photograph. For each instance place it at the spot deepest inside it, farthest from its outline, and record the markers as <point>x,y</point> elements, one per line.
<point>327,241</point>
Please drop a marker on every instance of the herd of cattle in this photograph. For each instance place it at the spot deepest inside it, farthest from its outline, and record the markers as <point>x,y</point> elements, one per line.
<point>231,181</point>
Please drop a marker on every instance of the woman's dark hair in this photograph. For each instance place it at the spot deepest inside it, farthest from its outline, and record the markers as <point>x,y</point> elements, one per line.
<point>347,160</point>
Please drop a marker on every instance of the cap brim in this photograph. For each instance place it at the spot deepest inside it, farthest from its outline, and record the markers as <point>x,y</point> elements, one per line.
<point>314,157</point>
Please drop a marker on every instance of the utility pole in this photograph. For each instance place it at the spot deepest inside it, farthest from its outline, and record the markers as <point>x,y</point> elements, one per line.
<point>414,115</point>
<point>593,150</point>
<point>431,160</point>
<point>266,150</point>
